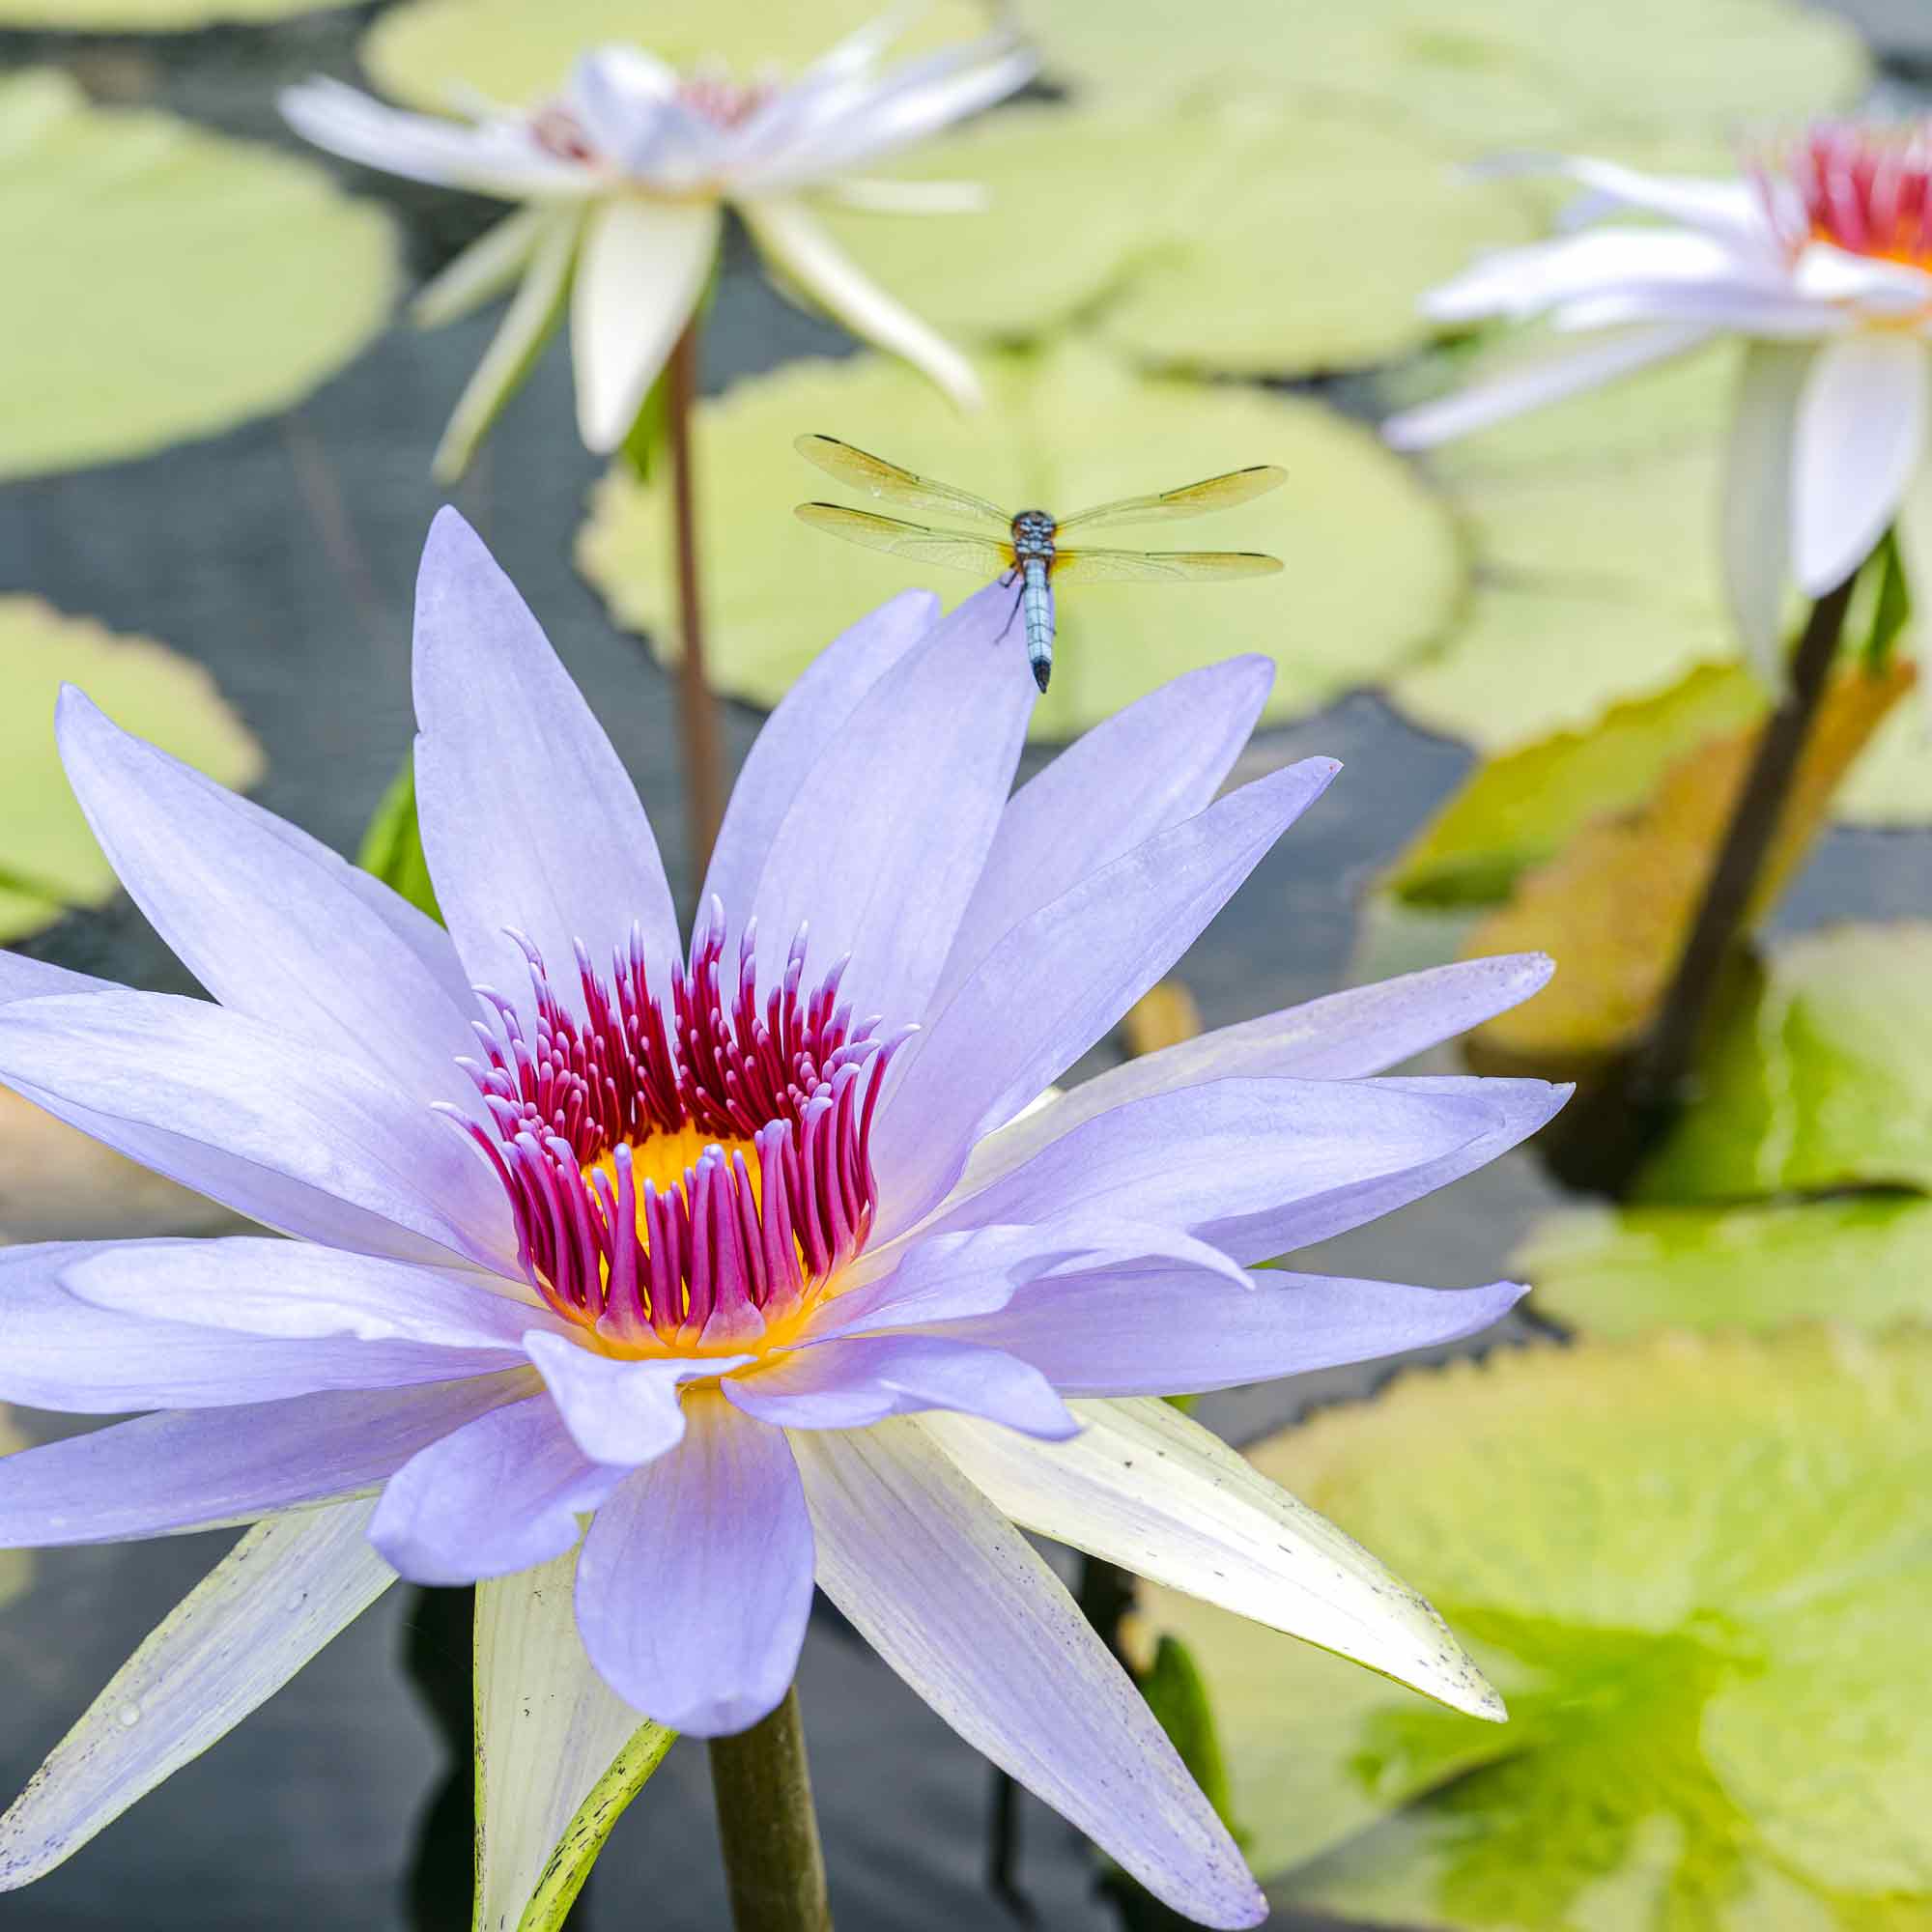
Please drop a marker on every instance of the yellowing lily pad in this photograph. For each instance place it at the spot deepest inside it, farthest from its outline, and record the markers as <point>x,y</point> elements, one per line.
<point>1520,807</point>
<point>1498,72</point>
<point>1372,566</point>
<point>1254,240</point>
<point>1865,1260</point>
<point>164,282</point>
<point>48,859</point>
<point>16,1566</point>
<point>431,52</point>
<point>1695,1566</point>
<point>1821,1079</point>
<point>1617,903</point>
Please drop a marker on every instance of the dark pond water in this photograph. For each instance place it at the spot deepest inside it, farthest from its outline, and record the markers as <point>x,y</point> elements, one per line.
<point>282,557</point>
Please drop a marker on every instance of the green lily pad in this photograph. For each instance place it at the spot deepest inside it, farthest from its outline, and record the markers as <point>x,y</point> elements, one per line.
<point>1133,215</point>
<point>430,51</point>
<point>1312,248</point>
<point>48,859</point>
<point>16,1566</point>
<point>147,16</point>
<point>1865,1260</point>
<point>1372,565</point>
<point>1821,1078</point>
<point>164,282</point>
<point>1497,72</point>
<point>1696,1567</point>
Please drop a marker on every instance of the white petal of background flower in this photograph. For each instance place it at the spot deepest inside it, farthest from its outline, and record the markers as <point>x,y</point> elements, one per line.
<point>641,276</point>
<point>1545,379</point>
<point>525,329</point>
<point>1756,523</point>
<point>798,244</point>
<point>1861,434</point>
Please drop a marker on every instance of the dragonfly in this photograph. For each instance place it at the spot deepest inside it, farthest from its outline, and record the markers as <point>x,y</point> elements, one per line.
<point>1029,554</point>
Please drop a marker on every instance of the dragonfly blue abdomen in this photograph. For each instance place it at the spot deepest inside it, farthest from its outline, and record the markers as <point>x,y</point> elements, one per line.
<point>1037,609</point>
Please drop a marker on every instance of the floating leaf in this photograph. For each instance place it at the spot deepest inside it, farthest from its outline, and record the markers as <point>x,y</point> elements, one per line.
<point>1616,904</point>
<point>164,282</point>
<point>16,1566</point>
<point>1865,1260</point>
<point>1822,1079</point>
<point>1494,72</point>
<point>434,53</point>
<point>1318,241</point>
<point>146,16</point>
<point>1145,211</point>
<point>1372,567</point>
<point>1696,1566</point>
<point>1521,807</point>
<point>47,853</point>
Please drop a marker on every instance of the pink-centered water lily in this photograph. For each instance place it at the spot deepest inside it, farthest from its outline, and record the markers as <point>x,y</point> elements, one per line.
<point>626,175</point>
<point>752,1253</point>
<point>1820,256</point>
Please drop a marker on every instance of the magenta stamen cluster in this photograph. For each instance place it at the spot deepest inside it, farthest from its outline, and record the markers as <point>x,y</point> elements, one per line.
<point>1866,190</point>
<point>728,1246</point>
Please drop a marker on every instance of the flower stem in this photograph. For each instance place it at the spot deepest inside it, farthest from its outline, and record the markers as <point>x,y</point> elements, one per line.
<point>1658,1077</point>
<point>768,1830</point>
<point>698,708</point>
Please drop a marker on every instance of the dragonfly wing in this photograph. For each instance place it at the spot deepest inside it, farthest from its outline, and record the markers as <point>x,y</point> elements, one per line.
<point>877,477</point>
<point>953,548</point>
<point>1159,566</point>
<point>1191,499</point>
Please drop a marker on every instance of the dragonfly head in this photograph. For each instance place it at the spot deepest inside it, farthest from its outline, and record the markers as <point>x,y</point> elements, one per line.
<point>1033,534</point>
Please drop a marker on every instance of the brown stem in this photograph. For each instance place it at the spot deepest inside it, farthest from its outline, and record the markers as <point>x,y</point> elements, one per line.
<point>768,1830</point>
<point>1658,1077</point>
<point>698,708</point>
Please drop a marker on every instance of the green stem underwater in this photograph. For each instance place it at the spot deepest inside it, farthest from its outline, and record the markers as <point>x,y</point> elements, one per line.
<point>698,708</point>
<point>773,1864</point>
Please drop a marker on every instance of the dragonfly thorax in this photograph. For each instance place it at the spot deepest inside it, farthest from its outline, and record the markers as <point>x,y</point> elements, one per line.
<point>1033,535</point>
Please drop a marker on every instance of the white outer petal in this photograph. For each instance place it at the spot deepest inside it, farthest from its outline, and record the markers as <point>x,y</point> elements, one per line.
<point>532,314</point>
<point>1755,522</point>
<point>640,274</point>
<point>487,268</point>
<point>958,1603</point>
<point>1548,380</point>
<point>1145,1488</point>
<point>548,1728</point>
<point>1521,281</point>
<point>1861,434</point>
<point>1730,210</point>
<point>802,250</point>
<point>258,1616</point>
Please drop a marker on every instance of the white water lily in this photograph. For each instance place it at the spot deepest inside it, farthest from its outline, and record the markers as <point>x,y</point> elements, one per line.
<point>1820,256</point>
<point>624,178</point>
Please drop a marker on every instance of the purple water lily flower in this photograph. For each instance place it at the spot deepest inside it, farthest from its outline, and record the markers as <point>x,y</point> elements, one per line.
<point>755,1253</point>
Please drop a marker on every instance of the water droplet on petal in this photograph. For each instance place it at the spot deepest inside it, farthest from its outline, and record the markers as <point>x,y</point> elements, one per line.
<point>130,1715</point>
